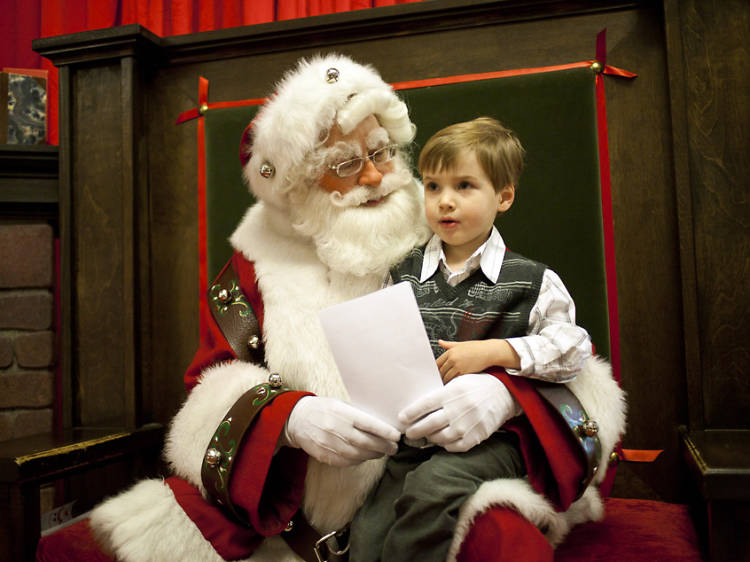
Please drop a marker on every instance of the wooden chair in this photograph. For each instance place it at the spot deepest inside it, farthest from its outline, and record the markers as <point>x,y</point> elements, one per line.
<point>561,217</point>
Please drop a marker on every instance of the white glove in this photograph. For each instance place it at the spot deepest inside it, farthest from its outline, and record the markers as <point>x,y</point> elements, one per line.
<point>337,433</point>
<point>461,414</point>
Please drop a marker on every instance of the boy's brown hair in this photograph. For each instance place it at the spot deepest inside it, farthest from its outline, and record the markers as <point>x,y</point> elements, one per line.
<point>497,149</point>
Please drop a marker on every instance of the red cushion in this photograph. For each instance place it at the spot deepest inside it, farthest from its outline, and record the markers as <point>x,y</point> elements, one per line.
<point>71,544</point>
<point>634,530</point>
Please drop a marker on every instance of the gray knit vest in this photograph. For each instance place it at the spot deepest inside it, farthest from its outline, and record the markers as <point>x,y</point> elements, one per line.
<point>476,308</point>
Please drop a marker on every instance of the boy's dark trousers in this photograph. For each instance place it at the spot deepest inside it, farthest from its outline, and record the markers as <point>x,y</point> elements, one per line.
<point>412,513</point>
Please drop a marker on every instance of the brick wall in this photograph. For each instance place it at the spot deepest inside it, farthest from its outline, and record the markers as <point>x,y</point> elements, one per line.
<point>27,338</point>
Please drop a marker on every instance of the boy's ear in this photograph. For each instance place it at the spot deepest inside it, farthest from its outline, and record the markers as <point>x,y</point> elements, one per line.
<point>505,198</point>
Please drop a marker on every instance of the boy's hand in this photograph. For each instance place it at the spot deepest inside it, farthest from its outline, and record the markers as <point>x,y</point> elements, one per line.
<point>474,356</point>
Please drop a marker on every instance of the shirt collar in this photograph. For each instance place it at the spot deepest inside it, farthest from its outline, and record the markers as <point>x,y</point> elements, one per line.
<point>492,251</point>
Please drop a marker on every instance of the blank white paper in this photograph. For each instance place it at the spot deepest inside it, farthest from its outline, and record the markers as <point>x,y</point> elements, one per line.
<point>382,351</point>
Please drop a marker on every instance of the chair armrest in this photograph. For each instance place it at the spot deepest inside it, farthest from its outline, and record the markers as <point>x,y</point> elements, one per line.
<point>719,463</point>
<point>29,462</point>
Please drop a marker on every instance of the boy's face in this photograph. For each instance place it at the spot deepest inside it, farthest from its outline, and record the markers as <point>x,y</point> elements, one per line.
<point>461,204</point>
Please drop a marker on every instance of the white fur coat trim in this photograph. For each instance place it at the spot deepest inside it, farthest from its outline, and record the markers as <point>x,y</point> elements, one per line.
<point>604,402</point>
<point>146,524</point>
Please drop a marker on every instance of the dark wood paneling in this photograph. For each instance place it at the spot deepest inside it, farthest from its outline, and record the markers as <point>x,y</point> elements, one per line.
<point>105,246</point>
<point>136,98</point>
<point>680,164</point>
<point>174,238</point>
<point>717,85</point>
<point>97,245</point>
<point>647,256</point>
<point>66,304</point>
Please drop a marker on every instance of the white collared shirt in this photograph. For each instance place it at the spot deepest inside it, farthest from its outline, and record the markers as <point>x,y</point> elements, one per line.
<point>555,349</point>
<point>489,256</point>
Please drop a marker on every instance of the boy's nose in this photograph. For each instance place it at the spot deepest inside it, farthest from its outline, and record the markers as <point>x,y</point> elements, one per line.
<point>446,202</point>
<point>370,175</point>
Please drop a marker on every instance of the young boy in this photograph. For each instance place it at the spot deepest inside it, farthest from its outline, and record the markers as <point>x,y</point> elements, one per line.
<point>482,305</point>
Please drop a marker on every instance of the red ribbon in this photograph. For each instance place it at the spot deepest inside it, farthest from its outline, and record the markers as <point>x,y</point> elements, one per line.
<point>607,215</point>
<point>606,190</point>
<point>640,455</point>
<point>202,245</point>
<point>611,70</point>
<point>198,112</point>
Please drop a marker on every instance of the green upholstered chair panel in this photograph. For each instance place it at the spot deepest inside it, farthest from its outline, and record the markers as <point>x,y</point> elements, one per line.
<point>556,218</point>
<point>227,196</point>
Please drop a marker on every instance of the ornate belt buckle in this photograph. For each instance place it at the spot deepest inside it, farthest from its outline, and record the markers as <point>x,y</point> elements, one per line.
<point>323,542</point>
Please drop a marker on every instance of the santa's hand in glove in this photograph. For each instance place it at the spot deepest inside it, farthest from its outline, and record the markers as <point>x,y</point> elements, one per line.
<point>461,414</point>
<point>337,433</point>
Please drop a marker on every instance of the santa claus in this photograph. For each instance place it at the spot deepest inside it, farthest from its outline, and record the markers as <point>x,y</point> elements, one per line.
<point>270,460</point>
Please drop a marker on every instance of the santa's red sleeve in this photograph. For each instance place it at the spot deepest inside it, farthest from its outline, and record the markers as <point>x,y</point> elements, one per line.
<point>266,487</point>
<point>554,462</point>
<point>266,484</point>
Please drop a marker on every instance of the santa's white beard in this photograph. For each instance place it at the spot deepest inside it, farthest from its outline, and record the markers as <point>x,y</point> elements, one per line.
<point>361,240</point>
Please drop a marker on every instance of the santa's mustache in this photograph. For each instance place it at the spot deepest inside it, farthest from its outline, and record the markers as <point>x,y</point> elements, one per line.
<point>361,194</point>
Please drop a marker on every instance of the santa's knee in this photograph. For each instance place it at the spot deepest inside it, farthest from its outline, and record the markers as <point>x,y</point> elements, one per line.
<point>500,533</point>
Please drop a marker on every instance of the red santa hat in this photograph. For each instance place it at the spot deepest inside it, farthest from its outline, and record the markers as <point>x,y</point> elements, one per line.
<point>318,93</point>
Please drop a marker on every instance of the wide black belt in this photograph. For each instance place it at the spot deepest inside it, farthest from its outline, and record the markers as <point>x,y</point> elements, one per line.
<point>584,429</point>
<point>235,317</point>
<point>311,546</point>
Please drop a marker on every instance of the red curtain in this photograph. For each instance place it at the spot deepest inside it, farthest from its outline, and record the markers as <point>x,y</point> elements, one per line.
<point>25,20</point>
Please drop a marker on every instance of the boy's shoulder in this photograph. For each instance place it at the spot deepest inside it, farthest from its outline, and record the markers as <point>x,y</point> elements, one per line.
<point>414,257</point>
<point>410,267</point>
<point>518,267</point>
<point>514,257</point>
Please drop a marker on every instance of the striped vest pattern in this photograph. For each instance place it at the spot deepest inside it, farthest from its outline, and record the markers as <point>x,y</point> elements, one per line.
<point>476,308</point>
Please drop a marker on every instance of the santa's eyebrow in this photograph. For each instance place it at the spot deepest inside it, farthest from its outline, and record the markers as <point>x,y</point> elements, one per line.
<point>342,151</point>
<point>377,138</point>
